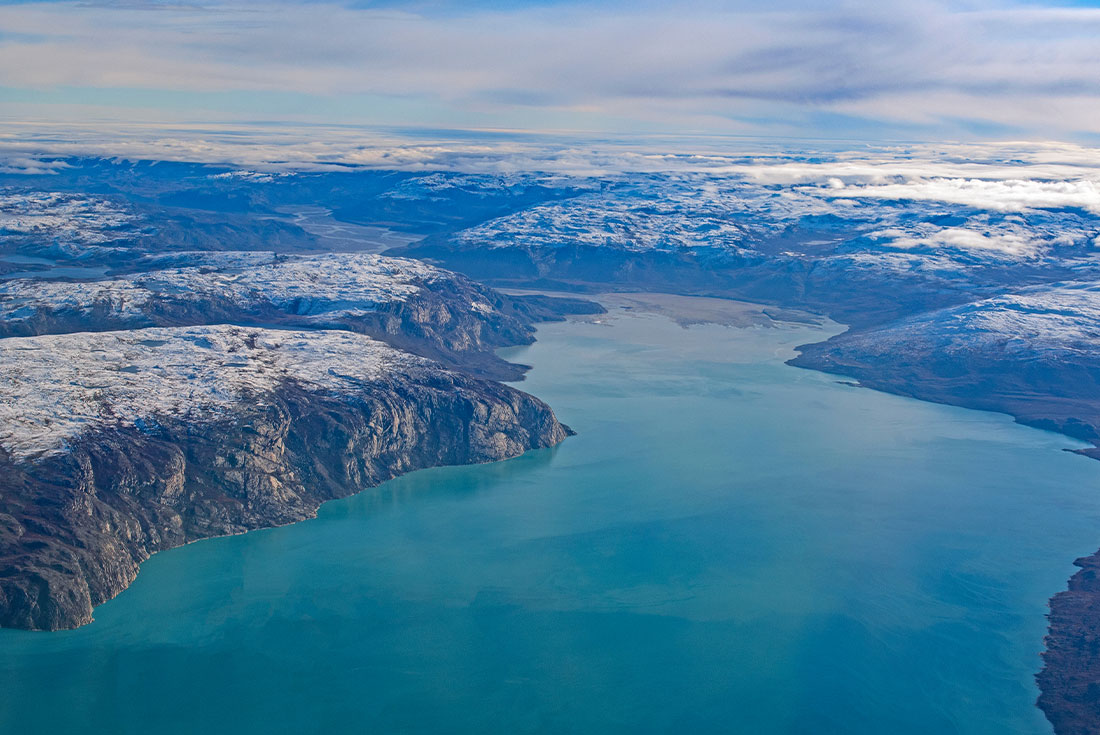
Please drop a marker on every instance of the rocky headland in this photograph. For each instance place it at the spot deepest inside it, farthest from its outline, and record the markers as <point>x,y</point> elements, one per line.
<point>197,394</point>
<point>116,445</point>
<point>1034,354</point>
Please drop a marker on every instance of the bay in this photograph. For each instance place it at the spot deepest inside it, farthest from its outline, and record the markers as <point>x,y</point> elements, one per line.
<point>728,544</point>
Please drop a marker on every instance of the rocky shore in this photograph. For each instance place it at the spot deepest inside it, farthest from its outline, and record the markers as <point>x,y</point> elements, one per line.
<point>1070,678</point>
<point>211,431</point>
<point>204,394</point>
<point>1032,354</point>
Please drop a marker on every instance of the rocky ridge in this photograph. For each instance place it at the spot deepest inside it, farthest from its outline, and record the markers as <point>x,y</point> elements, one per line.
<point>407,303</point>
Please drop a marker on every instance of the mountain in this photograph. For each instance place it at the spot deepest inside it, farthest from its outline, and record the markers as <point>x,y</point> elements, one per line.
<point>116,445</point>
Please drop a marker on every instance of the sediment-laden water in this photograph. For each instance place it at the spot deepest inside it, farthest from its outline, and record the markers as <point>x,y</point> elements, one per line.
<point>729,544</point>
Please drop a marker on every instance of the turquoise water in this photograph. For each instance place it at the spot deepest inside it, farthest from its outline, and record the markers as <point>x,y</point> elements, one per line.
<point>728,545</point>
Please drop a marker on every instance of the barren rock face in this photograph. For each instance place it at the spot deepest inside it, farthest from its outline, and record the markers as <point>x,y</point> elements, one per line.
<point>1071,666</point>
<point>117,445</point>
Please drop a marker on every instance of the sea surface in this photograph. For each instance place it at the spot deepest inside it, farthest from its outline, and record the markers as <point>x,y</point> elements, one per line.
<point>729,545</point>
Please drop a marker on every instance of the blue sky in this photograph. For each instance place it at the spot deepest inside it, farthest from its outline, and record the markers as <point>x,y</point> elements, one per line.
<point>855,69</point>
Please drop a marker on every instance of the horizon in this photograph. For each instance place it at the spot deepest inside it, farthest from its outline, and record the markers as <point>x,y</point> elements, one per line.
<point>917,71</point>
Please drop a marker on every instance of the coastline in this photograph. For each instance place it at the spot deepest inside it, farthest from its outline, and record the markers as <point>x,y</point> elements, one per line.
<point>87,518</point>
<point>81,520</point>
<point>685,310</point>
<point>499,532</point>
<point>860,378</point>
<point>1068,680</point>
<point>1073,612</point>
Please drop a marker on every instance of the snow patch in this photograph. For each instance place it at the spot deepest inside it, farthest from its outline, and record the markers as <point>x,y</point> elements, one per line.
<point>55,388</point>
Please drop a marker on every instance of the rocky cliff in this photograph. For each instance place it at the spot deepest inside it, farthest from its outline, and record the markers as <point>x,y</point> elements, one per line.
<point>118,445</point>
<point>1070,679</point>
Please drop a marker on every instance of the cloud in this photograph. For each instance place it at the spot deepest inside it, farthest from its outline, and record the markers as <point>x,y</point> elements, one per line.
<point>903,207</point>
<point>1012,195</point>
<point>1003,242</point>
<point>1004,176</point>
<point>787,67</point>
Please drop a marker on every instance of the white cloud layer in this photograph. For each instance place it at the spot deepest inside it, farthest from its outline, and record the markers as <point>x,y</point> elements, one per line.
<point>1007,243</point>
<point>788,67</point>
<point>1012,195</point>
<point>1000,178</point>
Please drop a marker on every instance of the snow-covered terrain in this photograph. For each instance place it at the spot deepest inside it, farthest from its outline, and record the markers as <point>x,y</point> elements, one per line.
<point>1065,318</point>
<point>67,219</point>
<point>949,247</point>
<point>1050,322</point>
<point>1034,354</point>
<point>55,387</point>
<point>735,214</point>
<point>310,286</point>
<point>321,284</point>
<point>442,186</point>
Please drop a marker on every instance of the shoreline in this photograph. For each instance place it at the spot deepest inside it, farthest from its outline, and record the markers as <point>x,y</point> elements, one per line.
<point>1069,678</point>
<point>261,465</point>
<point>1068,681</point>
<point>1067,674</point>
<point>644,322</point>
<point>687,310</point>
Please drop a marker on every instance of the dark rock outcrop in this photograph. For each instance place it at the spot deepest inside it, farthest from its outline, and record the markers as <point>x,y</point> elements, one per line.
<point>74,526</point>
<point>1070,679</point>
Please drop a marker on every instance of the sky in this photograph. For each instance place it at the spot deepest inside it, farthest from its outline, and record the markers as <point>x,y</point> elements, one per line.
<point>847,70</point>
